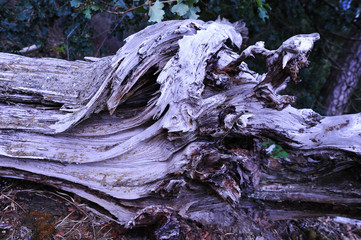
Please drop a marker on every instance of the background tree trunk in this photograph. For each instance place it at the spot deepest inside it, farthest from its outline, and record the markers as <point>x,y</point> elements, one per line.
<point>344,76</point>
<point>196,144</point>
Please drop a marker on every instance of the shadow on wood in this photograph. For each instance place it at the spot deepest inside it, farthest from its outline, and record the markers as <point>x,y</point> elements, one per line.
<point>176,135</point>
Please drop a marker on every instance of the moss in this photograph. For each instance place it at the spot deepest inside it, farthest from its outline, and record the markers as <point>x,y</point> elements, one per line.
<point>43,228</point>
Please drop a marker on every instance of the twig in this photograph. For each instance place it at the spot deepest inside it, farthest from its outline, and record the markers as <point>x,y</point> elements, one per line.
<point>72,201</point>
<point>101,45</point>
<point>76,225</point>
<point>335,8</point>
<point>333,62</point>
<point>3,195</point>
<point>29,49</point>
<point>67,41</point>
<point>129,10</point>
<point>343,37</point>
<point>9,186</point>
<point>63,220</point>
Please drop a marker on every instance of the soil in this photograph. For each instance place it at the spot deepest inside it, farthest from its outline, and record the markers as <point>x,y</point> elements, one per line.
<point>34,211</point>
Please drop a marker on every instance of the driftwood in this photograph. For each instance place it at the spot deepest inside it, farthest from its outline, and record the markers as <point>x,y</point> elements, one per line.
<point>172,135</point>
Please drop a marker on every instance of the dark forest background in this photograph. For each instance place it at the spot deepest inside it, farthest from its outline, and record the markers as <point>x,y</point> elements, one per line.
<point>77,28</point>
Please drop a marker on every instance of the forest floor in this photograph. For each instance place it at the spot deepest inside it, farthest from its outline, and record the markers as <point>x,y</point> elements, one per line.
<point>34,211</point>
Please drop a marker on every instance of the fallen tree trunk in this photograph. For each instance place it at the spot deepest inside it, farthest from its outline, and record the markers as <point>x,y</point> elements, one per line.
<point>177,135</point>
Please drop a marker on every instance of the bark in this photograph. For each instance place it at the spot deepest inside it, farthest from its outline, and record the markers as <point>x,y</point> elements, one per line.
<point>343,79</point>
<point>172,136</point>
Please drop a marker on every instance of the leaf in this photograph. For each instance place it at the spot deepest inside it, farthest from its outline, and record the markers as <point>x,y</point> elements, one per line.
<point>282,154</point>
<point>87,13</point>
<point>141,10</point>
<point>266,5</point>
<point>262,9</point>
<point>192,2</point>
<point>262,13</point>
<point>192,13</point>
<point>74,14</point>
<point>119,3</point>
<point>259,3</point>
<point>180,8</point>
<point>75,3</point>
<point>23,16</point>
<point>156,12</point>
<point>95,7</point>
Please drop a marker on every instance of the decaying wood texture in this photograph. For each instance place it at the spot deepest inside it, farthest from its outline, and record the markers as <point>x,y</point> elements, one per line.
<point>169,135</point>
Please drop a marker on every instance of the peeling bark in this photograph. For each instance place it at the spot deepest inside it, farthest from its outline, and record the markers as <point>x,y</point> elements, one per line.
<point>171,134</point>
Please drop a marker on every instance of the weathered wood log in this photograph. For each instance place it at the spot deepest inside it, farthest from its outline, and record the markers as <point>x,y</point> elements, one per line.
<point>174,132</point>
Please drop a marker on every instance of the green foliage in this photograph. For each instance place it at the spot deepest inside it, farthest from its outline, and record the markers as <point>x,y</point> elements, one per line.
<point>277,151</point>
<point>27,22</point>
<point>235,10</point>
<point>30,22</point>
<point>59,28</point>
<point>156,12</point>
<point>262,9</point>
<point>17,23</point>
<point>180,9</point>
<point>86,7</point>
<point>75,3</point>
<point>60,51</point>
<point>288,18</point>
<point>186,9</point>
